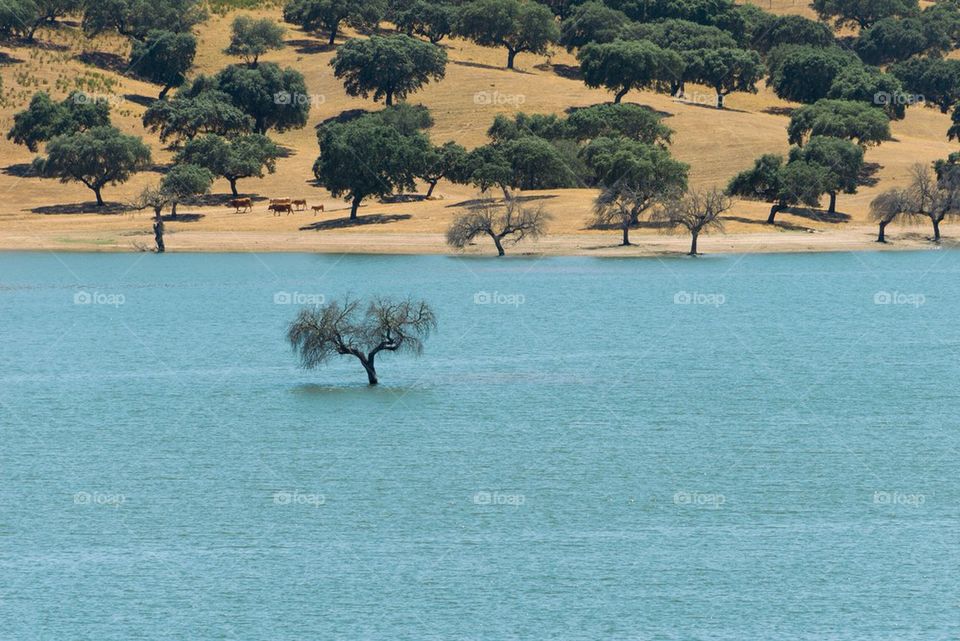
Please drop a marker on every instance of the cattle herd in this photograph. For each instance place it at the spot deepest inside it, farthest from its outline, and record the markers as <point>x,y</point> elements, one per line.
<point>277,205</point>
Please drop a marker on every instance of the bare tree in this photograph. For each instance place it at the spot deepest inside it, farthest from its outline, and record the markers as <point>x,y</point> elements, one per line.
<point>359,329</point>
<point>509,223</point>
<point>934,197</point>
<point>698,212</point>
<point>621,205</point>
<point>887,207</point>
<point>154,198</point>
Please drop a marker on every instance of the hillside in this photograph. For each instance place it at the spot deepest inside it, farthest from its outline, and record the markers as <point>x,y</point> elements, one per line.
<point>46,214</point>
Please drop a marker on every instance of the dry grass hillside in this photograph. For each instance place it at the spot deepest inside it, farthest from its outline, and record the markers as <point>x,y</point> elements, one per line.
<point>46,214</point>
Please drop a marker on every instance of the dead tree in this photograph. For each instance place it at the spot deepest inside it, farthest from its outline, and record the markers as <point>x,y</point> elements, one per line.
<point>507,223</point>
<point>697,212</point>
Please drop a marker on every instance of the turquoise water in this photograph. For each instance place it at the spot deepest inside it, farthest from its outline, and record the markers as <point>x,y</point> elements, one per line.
<point>740,447</point>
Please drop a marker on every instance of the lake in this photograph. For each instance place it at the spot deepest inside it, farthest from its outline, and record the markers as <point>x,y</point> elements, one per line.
<point>731,448</point>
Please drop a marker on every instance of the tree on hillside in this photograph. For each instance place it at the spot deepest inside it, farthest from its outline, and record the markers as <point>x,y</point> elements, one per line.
<point>188,114</point>
<point>245,156</point>
<point>44,119</point>
<point>887,207</point>
<point>697,212</point>
<point>362,330</point>
<point>592,21</point>
<point>785,185</point>
<point>893,39</point>
<point>485,167</point>
<point>250,39</point>
<point>622,65</point>
<point>366,157</point>
<point>842,160</point>
<point>936,79</point>
<point>727,70</point>
<point>510,222</point>
<point>406,118</point>
<point>518,25</point>
<point>536,163</point>
<point>839,119</point>
<point>793,30</point>
<point>137,18</point>
<point>441,162</point>
<point>275,98</point>
<point>546,126</point>
<point>805,74</point>
<point>634,122</point>
<point>871,86</point>
<point>95,157</point>
<point>185,181</point>
<point>432,19</point>
<point>329,15</point>
<point>22,18</point>
<point>862,13</point>
<point>388,66</point>
<point>164,58</point>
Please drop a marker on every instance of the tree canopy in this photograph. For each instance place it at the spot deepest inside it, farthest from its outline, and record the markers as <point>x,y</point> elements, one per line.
<point>45,119</point>
<point>330,15</point>
<point>245,156</point>
<point>841,119</point>
<point>862,13</point>
<point>164,57</point>
<point>842,160</point>
<point>388,66</point>
<point>275,98</point>
<point>250,38</point>
<point>625,65</point>
<point>518,25</point>
<point>802,73</point>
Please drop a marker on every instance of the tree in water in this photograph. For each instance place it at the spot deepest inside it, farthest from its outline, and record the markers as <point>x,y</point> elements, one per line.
<point>510,223</point>
<point>362,330</point>
<point>697,212</point>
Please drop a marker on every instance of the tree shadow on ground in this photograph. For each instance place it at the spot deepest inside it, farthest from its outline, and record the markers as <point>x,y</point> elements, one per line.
<point>139,99</point>
<point>700,105</point>
<point>182,218</point>
<point>103,60</point>
<point>343,223</point>
<point>777,225</point>
<point>7,59</point>
<point>570,72</point>
<point>868,175</point>
<point>343,116</point>
<point>480,65</point>
<point>407,198</point>
<point>309,46</point>
<point>643,224</point>
<point>818,215</point>
<point>214,200</point>
<point>779,111</point>
<point>476,202</point>
<point>20,170</point>
<point>108,208</point>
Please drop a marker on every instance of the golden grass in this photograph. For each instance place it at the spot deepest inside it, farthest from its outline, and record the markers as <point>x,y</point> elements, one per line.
<point>715,143</point>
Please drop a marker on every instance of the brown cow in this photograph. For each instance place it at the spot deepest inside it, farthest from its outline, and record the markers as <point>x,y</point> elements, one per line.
<point>317,208</point>
<point>299,204</point>
<point>279,201</point>
<point>246,204</point>
<point>276,208</point>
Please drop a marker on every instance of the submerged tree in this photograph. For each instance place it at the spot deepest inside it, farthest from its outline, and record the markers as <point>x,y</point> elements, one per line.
<point>349,328</point>
<point>511,223</point>
<point>696,212</point>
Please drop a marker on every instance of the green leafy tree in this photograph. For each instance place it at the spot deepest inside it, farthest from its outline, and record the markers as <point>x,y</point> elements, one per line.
<point>95,157</point>
<point>275,98</point>
<point>241,157</point>
<point>842,160</point>
<point>893,39</point>
<point>330,15</point>
<point>547,126</point>
<point>485,167</point>
<point>188,114</point>
<point>592,21</point>
<point>44,118</point>
<point>366,157</point>
<point>518,25</point>
<point>793,30</point>
<point>840,119</point>
<point>805,74</point>
<point>862,13</point>
<point>388,66</point>
<point>406,118</point>
<point>622,66</point>
<point>137,18</point>
<point>185,181</point>
<point>783,184</point>
<point>727,70</point>
<point>164,58</point>
<point>432,19</point>
<point>871,86</point>
<point>936,79</point>
<point>250,38</point>
<point>441,162</point>
<point>535,163</point>
<point>634,122</point>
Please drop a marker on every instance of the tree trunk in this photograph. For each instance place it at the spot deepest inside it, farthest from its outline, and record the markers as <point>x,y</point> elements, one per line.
<point>389,101</point>
<point>720,99</point>
<point>158,232</point>
<point>432,185</point>
<point>511,56</point>
<point>96,191</point>
<point>496,241</point>
<point>626,237</point>
<point>370,369</point>
<point>881,237</point>
<point>693,243</point>
<point>164,91</point>
<point>936,231</point>
<point>173,209</point>
<point>773,213</point>
<point>354,207</point>
<point>333,35</point>
<point>233,186</point>
<point>833,203</point>
<point>620,94</point>
<point>506,192</point>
